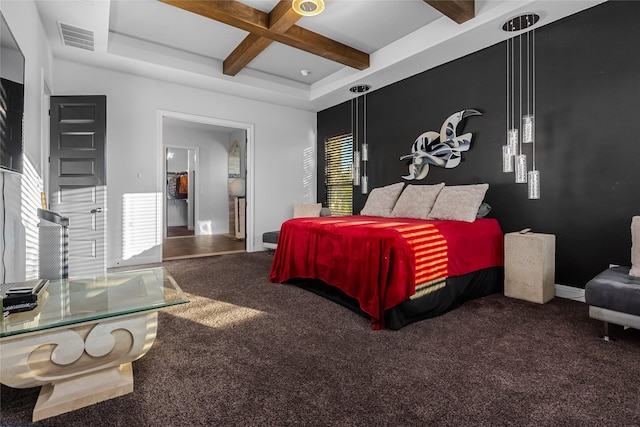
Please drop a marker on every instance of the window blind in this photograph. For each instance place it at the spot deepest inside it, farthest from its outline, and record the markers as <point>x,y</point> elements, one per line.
<point>338,156</point>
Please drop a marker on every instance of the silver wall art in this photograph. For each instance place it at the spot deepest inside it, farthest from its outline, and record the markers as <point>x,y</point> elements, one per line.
<point>442,149</point>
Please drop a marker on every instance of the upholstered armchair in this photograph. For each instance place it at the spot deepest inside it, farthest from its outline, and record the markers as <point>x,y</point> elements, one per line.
<point>614,295</point>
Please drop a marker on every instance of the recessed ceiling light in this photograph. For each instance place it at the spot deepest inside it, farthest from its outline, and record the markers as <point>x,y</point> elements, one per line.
<point>308,7</point>
<point>305,72</point>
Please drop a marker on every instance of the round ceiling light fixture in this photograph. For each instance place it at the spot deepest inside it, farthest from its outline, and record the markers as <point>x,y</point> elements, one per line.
<point>360,88</point>
<point>308,7</point>
<point>521,22</point>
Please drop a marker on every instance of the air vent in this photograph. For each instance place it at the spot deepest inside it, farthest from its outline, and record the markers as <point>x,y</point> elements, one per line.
<point>76,37</point>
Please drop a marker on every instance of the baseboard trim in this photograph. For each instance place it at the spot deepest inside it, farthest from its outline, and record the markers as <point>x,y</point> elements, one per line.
<point>570,292</point>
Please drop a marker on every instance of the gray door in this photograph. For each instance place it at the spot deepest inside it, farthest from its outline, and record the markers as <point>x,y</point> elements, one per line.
<point>77,178</point>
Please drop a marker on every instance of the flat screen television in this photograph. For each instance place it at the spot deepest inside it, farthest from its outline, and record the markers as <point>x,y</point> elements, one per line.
<point>11,101</point>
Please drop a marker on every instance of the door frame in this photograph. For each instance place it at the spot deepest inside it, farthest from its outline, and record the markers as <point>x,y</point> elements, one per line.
<point>250,146</point>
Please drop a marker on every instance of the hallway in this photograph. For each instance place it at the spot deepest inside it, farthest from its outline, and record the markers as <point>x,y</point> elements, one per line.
<point>199,246</point>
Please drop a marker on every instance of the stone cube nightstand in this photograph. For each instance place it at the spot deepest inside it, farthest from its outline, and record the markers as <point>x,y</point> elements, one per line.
<point>529,266</point>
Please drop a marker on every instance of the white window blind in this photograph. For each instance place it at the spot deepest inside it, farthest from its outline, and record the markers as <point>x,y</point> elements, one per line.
<point>338,160</point>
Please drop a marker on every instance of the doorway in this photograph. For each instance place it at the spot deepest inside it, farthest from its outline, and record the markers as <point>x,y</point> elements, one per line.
<point>198,221</point>
<point>179,207</point>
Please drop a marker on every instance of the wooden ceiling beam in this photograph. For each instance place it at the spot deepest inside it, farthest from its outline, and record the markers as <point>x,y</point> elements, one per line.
<point>281,18</point>
<point>311,42</point>
<point>245,52</point>
<point>458,10</point>
<point>229,12</point>
<point>260,24</point>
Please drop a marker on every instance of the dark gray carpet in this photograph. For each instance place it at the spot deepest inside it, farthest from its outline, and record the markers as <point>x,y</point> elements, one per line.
<point>246,352</point>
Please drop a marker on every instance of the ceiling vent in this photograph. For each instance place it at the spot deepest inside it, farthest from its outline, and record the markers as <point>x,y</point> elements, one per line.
<point>75,36</point>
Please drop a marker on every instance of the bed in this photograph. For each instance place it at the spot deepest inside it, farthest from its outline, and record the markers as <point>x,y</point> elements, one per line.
<point>395,271</point>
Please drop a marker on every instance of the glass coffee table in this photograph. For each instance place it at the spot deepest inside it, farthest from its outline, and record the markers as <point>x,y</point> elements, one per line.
<point>78,344</point>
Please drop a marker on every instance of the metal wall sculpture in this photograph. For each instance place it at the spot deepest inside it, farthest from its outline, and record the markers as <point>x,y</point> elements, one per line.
<point>442,149</point>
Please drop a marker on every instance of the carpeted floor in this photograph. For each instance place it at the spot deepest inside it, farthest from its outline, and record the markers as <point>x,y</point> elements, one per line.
<point>246,352</point>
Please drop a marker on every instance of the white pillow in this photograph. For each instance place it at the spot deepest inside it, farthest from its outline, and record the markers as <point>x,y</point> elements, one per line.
<point>459,202</point>
<point>382,200</point>
<point>301,210</point>
<point>635,247</point>
<point>416,201</point>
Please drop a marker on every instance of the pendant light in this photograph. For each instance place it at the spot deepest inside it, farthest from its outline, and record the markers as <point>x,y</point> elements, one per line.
<point>510,149</point>
<point>533,180</point>
<point>522,130</point>
<point>360,147</point>
<point>355,167</point>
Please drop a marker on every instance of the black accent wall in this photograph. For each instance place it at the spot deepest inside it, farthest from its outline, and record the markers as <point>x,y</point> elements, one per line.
<point>587,135</point>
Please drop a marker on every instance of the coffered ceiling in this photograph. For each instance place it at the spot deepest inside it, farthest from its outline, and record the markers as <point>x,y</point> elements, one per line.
<point>260,49</point>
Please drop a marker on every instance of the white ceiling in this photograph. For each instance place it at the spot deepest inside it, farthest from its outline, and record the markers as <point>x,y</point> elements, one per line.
<point>402,37</point>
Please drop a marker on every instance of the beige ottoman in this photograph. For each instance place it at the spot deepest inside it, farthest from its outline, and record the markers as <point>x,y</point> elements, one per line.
<point>529,266</point>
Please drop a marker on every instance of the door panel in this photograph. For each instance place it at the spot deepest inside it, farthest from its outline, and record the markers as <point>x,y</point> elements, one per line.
<point>78,141</point>
<point>78,179</point>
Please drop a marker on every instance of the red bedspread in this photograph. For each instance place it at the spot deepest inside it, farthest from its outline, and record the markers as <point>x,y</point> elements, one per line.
<point>379,261</point>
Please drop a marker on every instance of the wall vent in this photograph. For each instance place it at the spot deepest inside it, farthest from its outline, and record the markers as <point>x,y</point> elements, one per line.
<point>75,36</point>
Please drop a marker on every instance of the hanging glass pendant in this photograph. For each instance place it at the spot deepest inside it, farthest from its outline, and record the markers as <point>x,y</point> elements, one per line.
<point>507,159</point>
<point>356,168</point>
<point>512,140</point>
<point>521,169</point>
<point>527,128</point>
<point>365,152</point>
<point>534,184</point>
<point>364,187</point>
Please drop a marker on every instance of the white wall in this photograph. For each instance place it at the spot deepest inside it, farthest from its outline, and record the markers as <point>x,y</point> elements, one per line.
<point>18,225</point>
<point>213,197</point>
<point>283,160</point>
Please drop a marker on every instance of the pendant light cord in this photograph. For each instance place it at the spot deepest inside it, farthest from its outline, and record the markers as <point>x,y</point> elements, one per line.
<point>364,133</point>
<point>533,97</point>
<point>353,145</point>
<point>507,90</point>
<point>520,90</point>
<point>357,144</point>
<point>513,83</point>
<point>528,67</point>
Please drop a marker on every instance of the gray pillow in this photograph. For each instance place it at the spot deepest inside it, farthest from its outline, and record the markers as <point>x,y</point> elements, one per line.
<point>416,201</point>
<point>483,210</point>
<point>305,210</point>
<point>382,200</point>
<point>459,202</point>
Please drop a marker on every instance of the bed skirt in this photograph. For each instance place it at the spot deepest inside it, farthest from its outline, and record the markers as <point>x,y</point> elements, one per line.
<point>438,299</point>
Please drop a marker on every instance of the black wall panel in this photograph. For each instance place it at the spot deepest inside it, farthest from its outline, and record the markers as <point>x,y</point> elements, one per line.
<point>588,149</point>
